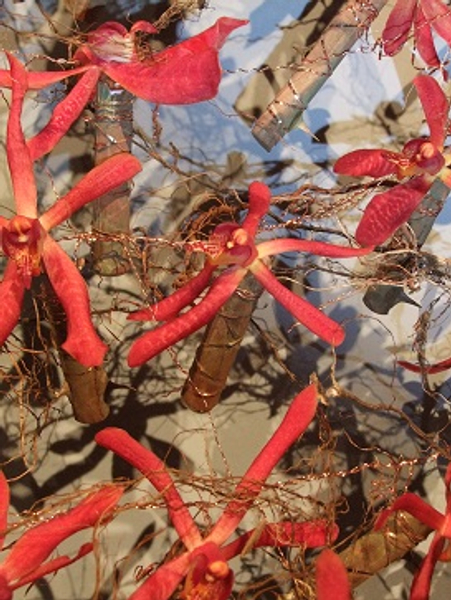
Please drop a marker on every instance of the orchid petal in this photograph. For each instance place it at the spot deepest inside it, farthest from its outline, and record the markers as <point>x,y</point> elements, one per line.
<point>439,367</point>
<point>389,210</point>
<point>415,506</point>
<point>422,581</point>
<point>279,246</point>
<point>435,106</point>
<point>169,307</point>
<point>359,163</point>
<point>38,80</point>
<point>11,297</point>
<point>64,114</point>
<point>6,593</point>
<point>398,25</point>
<point>52,566</point>
<point>183,74</point>
<point>122,444</point>
<point>162,584</point>
<point>259,200</point>
<point>439,18</point>
<point>4,506</point>
<point>424,41</point>
<point>36,544</point>
<point>307,314</point>
<point>311,534</point>
<point>332,581</point>
<point>82,341</point>
<point>161,338</point>
<point>296,420</point>
<point>100,180</point>
<point>19,159</point>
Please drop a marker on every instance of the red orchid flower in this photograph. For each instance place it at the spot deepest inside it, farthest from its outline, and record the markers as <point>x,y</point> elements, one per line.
<point>25,237</point>
<point>183,74</point>
<point>440,548</point>
<point>27,559</point>
<point>233,246</point>
<point>203,567</point>
<point>421,161</point>
<point>186,73</point>
<point>332,581</point>
<point>424,16</point>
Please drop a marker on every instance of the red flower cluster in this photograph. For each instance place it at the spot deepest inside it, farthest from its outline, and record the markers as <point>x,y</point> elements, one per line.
<point>186,73</point>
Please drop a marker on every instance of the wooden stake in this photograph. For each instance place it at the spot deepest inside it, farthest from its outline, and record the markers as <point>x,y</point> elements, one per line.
<point>113,134</point>
<point>286,110</point>
<point>219,347</point>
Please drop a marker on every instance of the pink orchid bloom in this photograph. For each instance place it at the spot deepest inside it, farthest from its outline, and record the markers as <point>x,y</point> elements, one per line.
<point>203,567</point>
<point>186,73</point>
<point>332,581</point>
<point>27,561</point>
<point>424,16</point>
<point>232,248</point>
<point>421,161</point>
<point>440,548</point>
<point>25,238</point>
